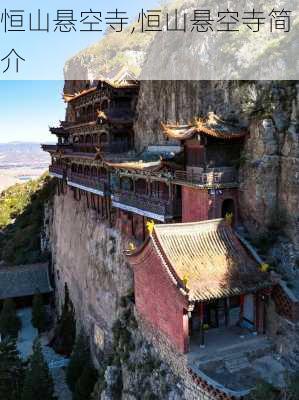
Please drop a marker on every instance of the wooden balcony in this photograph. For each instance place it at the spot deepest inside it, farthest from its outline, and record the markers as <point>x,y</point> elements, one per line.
<point>112,147</point>
<point>57,171</point>
<point>148,206</point>
<point>90,184</point>
<point>52,148</point>
<point>212,177</point>
<point>85,147</point>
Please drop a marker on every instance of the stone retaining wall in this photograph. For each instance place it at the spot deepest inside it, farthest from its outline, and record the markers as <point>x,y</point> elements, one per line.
<point>286,303</point>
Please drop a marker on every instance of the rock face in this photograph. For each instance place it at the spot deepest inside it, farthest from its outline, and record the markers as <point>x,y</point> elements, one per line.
<point>269,175</point>
<point>88,256</point>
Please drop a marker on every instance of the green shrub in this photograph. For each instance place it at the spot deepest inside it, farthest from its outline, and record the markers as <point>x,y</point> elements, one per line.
<point>65,332</point>
<point>38,383</point>
<point>38,313</point>
<point>21,220</point>
<point>11,371</point>
<point>264,391</point>
<point>79,358</point>
<point>10,323</point>
<point>86,383</point>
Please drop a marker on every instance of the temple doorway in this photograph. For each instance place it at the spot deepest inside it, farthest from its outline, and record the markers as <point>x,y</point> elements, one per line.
<point>248,315</point>
<point>228,208</point>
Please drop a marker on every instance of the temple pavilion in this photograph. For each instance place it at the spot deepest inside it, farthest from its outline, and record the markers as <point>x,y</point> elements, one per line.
<point>192,277</point>
<point>192,272</point>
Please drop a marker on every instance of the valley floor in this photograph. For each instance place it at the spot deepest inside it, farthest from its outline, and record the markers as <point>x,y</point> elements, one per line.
<point>9,177</point>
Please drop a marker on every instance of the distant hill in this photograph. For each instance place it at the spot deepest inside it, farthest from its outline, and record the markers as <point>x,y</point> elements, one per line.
<point>26,146</point>
<point>22,154</point>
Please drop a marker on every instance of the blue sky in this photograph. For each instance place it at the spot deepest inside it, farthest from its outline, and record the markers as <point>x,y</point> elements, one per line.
<point>28,108</point>
<point>46,52</point>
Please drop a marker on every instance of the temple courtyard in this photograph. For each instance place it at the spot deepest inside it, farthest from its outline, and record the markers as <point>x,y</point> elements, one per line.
<point>235,359</point>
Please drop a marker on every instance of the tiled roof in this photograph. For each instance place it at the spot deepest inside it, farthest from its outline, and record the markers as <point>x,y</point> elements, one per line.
<point>208,259</point>
<point>178,132</point>
<point>136,165</point>
<point>211,126</point>
<point>151,159</point>
<point>118,79</point>
<point>70,97</point>
<point>24,280</point>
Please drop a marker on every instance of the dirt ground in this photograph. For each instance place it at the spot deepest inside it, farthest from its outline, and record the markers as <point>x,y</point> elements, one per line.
<point>9,177</point>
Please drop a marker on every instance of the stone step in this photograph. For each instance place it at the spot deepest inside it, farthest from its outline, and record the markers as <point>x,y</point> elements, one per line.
<point>237,363</point>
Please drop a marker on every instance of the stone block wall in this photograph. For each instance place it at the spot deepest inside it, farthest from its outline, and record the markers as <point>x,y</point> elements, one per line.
<point>203,204</point>
<point>286,304</point>
<point>195,204</point>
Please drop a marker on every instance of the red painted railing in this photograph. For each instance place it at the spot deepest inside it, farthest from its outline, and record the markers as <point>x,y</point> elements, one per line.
<point>98,183</point>
<point>151,204</point>
<point>216,176</point>
<point>55,169</point>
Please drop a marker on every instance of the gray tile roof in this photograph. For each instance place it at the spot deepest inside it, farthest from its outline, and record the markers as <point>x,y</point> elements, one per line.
<point>24,280</point>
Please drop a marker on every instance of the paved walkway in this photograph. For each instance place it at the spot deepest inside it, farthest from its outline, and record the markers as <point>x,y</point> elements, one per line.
<point>55,361</point>
<point>56,364</point>
<point>27,334</point>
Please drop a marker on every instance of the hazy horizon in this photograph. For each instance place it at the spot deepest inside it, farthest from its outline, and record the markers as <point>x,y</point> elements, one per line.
<point>26,142</point>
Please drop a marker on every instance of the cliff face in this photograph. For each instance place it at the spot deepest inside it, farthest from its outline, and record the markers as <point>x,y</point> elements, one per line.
<point>88,255</point>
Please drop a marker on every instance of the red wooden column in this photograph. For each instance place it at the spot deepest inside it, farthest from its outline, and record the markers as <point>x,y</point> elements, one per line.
<point>261,312</point>
<point>202,332</point>
<point>186,331</point>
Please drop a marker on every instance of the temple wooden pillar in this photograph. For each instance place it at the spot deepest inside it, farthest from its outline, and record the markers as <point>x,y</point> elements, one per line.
<point>201,318</point>
<point>260,313</point>
<point>186,331</point>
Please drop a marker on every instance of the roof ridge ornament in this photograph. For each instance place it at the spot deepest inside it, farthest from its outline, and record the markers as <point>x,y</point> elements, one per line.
<point>212,125</point>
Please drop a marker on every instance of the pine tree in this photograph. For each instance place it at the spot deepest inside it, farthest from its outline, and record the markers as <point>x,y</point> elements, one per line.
<point>11,371</point>
<point>38,313</point>
<point>38,384</point>
<point>85,385</point>
<point>10,323</point>
<point>66,327</point>
<point>79,358</point>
